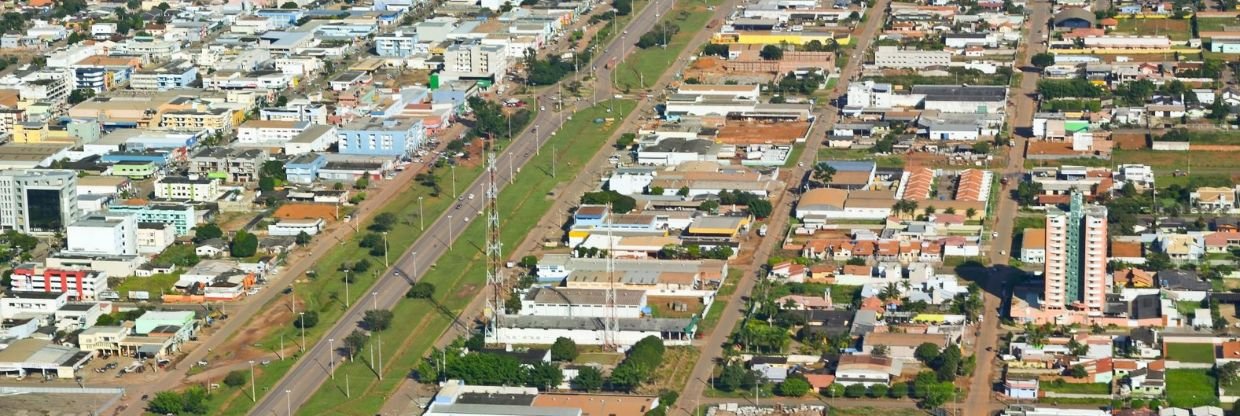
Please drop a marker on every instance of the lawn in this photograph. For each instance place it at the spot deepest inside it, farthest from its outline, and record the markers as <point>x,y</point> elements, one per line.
<point>603,358</point>
<point>459,274</point>
<point>325,293</point>
<point>827,153</point>
<point>1190,388</point>
<point>155,285</point>
<point>1191,353</point>
<point>642,68</point>
<point>1213,24</point>
<point>1173,28</point>
<point>1078,388</point>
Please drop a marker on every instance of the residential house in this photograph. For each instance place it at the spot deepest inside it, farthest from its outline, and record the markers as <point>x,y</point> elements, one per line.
<point>866,370</point>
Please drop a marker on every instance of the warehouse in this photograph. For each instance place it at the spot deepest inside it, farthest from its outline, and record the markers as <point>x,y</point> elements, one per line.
<point>977,99</point>
<point>591,331</point>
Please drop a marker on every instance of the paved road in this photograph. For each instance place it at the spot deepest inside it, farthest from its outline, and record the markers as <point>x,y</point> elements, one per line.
<point>712,347</point>
<point>298,263</point>
<point>979,400</point>
<point>307,375</point>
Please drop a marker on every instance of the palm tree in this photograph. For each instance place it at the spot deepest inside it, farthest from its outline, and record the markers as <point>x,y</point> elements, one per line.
<point>890,292</point>
<point>823,173</point>
<point>970,212</point>
<point>949,210</point>
<point>929,210</point>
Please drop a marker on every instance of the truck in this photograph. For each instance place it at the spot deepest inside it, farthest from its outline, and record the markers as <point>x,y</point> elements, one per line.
<point>762,230</point>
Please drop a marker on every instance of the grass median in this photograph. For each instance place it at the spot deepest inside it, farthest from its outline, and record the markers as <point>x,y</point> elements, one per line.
<point>643,68</point>
<point>458,276</point>
<point>325,292</point>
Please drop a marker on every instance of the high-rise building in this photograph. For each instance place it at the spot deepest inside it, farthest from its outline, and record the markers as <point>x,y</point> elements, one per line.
<point>1076,257</point>
<point>38,200</point>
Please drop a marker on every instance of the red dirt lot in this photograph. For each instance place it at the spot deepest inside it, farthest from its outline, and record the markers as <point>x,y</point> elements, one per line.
<point>749,132</point>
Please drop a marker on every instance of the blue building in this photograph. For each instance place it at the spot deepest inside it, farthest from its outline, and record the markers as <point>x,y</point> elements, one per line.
<point>159,158</point>
<point>288,16</point>
<point>181,216</point>
<point>304,168</point>
<point>399,44</point>
<point>396,137</point>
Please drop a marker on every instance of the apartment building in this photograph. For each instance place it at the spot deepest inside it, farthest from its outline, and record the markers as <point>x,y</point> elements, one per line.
<point>81,284</point>
<point>213,119</point>
<point>174,74</point>
<point>191,188</point>
<point>1076,257</point>
<point>258,132</point>
<point>111,234</point>
<point>232,165</point>
<point>38,200</point>
<point>894,57</point>
<point>465,60</point>
<point>400,44</point>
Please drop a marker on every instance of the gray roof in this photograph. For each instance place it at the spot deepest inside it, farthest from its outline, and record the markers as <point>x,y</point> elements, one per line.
<point>1074,13</point>
<point>961,92</point>
<point>553,295</point>
<point>680,145</point>
<point>497,409</point>
<point>594,324</point>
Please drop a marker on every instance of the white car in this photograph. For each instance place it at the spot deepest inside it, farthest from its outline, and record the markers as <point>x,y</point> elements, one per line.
<point>994,234</point>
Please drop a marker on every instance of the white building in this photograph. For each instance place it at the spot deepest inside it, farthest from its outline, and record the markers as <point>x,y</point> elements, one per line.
<point>590,331</point>
<point>869,94</point>
<point>191,188</point>
<point>475,60</point>
<point>631,180</point>
<point>112,234</point>
<point>79,284</point>
<point>154,237</point>
<point>309,226</point>
<point>264,132</point>
<point>559,301</point>
<point>315,138</point>
<point>894,57</point>
<point>38,200</point>
<point>1076,257</point>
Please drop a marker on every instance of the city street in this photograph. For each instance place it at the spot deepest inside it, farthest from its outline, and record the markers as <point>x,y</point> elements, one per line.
<point>712,347</point>
<point>981,387</point>
<point>307,375</point>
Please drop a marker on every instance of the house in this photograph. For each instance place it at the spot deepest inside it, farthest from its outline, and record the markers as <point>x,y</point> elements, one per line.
<point>1182,285</point>
<point>772,368</point>
<point>866,370</point>
<point>211,248</point>
<point>1222,242</point>
<point>899,345</point>
<point>1144,342</point>
<point>1213,199</point>
<point>1020,387</point>
<point>1033,245</point>
<point>1134,278</point>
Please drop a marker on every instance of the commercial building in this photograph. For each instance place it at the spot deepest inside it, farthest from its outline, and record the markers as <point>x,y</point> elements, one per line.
<point>591,331</point>
<point>973,99</point>
<point>293,227</point>
<point>110,234</point>
<point>559,301</point>
<point>474,61</point>
<point>316,138</point>
<point>304,168</point>
<point>25,356</point>
<point>395,137</point>
<point>154,237</point>
<point>187,188</point>
<point>182,217</point>
<point>1076,257</point>
<point>264,132</point>
<point>163,77</point>
<point>80,284</point>
<point>894,57</point>
<point>38,200</point>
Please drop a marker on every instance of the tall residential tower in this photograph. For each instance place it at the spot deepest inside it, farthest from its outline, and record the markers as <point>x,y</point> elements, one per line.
<point>1076,257</point>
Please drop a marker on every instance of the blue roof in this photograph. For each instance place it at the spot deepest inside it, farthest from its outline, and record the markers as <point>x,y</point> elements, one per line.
<point>851,165</point>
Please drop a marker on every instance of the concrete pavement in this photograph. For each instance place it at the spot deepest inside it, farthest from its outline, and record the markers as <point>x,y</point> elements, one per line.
<point>981,387</point>
<point>712,347</point>
<point>300,383</point>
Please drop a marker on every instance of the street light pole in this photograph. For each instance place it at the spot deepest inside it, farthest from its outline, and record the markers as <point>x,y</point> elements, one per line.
<point>449,233</point>
<point>253,395</point>
<point>385,250</point>
<point>288,402</point>
<point>421,218</point>
<point>331,357</point>
<point>346,288</point>
<point>553,161</point>
<point>453,168</point>
<point>414,257</point>
<point>302,316</point>
<point>537,148</point>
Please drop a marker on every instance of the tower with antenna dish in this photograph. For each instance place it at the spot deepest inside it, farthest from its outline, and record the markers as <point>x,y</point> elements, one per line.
<point>610,323</point>
<point>494,250</point>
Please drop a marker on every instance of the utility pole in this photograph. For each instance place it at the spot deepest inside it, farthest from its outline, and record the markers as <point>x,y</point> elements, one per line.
<point>253,395</point>
<point>537,148</point>
<point>303,330</point>
<point>331,357</point>
<point>449,243</point>
<point>346,288</point>
<point>453,168</point>
<point>421,218</point>
<point>385,250</point>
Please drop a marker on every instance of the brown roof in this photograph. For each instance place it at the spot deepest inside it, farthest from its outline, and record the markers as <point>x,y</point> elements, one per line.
<point>862,360</point>
<point>824,196</point>
<point>1034,238</point>
<point>1230,350</point>
<point>326,212</point>
<point>969,188</point>
<point>858,270</point>
<point>597,404</point>
<point>1130,249</point>
<point>851,178</point>
<point>919,183</point>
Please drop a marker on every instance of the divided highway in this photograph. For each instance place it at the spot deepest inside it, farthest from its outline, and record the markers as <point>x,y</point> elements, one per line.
<point>309,374</point>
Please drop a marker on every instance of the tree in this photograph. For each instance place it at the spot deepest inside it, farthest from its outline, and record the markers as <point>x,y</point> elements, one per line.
<point>656,190</point>
<point>289,5</point>
<point>898,390</point>
<point>948,363</point>
<point>771,53</point>
<point>266,184</point>
<point>421,290</point>
<point>563,349</point>
<point>878,391</point>
<point>165,402</point>
<point>1227,373</point>
<point>235,378</point>
<point>545,376</point>
<point>361,183</point>
<point>303,238</point>
<point>623,7</point>
<point>207,231</point>
<point>626,378</point>
<point>1042,60</point>
<point>760,208</point>
<point>853,391</point>
<point>244,244</point>
<point>879,351</point>
<point>620,204</point>
<point>735,376</point>
<point>355,341</point>
<point>81,94</point>
<point>981,148</point>
<point>823,173</point>
<point>361,266</point>
<point>794,386</point>
<point>1027,192</point>
<point>589,379</point>
<point>1078,371</point>
<point>683,191</point>
<point>307,319</point>
<point>385,221</point>
<point>377,319</point>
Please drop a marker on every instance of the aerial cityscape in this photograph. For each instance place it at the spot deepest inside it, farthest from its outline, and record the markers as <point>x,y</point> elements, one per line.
<point>620,207</point>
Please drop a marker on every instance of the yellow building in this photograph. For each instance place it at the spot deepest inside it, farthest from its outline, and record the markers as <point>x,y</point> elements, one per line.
<point>30,133</point>
<point>216,119</point>
<point>777,38</point>
<point>730,227</point>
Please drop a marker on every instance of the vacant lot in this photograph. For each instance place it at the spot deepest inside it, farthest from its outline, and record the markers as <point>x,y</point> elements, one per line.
<point>1191,353</point>
<point>1078,388</point>
<point>1166,163</point>
<point>1213,24</point>
<point>1172,28</point>
<point>1189,388</point>
<point>53,404</point>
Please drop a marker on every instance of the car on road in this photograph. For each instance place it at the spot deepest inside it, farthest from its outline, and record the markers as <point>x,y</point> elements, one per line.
<point>471,197</point>
<point>994,234</point>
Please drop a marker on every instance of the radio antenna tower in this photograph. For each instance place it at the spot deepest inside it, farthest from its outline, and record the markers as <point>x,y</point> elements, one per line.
<point>493,249</point>
<point>610,324</point>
